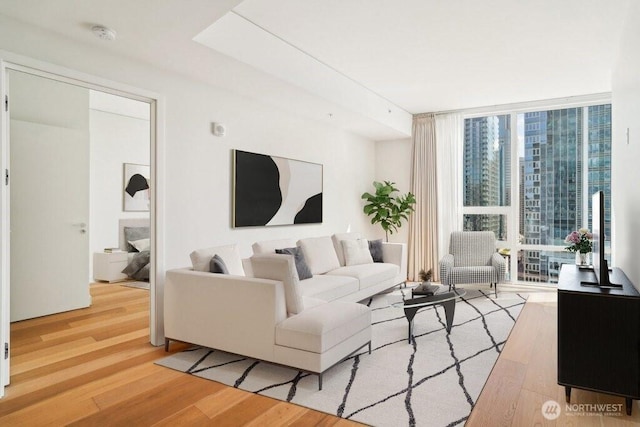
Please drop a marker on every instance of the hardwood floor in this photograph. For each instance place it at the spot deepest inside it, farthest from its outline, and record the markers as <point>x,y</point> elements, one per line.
<point>95,367</point>
<point>525,377</point>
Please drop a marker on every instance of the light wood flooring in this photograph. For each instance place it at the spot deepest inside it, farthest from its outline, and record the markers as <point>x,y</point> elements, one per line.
<point>95,367</point>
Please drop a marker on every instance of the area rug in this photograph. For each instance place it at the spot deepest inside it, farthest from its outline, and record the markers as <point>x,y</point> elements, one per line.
<point>136,284</point>
<point>434,381</point>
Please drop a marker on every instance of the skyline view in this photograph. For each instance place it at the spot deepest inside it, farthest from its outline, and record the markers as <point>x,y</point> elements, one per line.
<point>564,156</point>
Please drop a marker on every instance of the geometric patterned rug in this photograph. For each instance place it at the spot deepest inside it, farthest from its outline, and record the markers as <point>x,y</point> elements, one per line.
<point>434,381</point>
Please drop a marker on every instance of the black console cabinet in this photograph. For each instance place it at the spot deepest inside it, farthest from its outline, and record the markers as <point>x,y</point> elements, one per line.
<point>598,335</point>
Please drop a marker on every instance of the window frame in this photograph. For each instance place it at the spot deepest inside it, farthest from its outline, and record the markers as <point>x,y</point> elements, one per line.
<point>511,212</point>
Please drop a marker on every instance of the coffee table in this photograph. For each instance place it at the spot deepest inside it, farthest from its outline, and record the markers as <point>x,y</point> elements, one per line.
<point>445,299</point>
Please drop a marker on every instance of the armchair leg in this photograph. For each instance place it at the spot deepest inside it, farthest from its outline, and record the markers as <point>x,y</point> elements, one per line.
<point>496,290</point>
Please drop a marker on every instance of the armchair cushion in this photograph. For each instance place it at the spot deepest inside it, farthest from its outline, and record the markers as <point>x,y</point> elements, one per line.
<point>472,248</point>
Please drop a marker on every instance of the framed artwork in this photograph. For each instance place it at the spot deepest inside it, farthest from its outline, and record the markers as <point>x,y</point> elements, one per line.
<point>271,190</point>
<point>136,188</point>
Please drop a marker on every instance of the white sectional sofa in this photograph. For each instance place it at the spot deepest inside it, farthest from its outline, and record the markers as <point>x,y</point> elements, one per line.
<point>262,309</point>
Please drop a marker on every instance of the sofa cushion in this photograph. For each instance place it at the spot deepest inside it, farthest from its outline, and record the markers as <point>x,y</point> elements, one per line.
<point>201,258</point>
<point>270,246</point>
<point>368,274</point>
<point>322,327</point>
<point>337,243</point>
<point>320,254</point>
<point>328,288</point>
<point>356,252</point>
<point>298,257</point>
<point>280,267</point>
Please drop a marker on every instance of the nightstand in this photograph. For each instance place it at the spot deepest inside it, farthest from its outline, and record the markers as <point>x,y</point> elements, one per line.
<point>107,267</point>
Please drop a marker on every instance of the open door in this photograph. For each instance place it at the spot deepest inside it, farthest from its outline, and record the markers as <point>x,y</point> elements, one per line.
<point>49,196</point>
<point>4,253</point>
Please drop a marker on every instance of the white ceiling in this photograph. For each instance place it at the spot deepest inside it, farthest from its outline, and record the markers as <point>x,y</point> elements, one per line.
<point>365,65</point>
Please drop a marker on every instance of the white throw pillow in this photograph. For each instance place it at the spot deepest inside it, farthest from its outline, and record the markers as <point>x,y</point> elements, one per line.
<point>230,255</point>
<point>141,245</point>
<point>338,238</point>
<point>270,246</point>
<point>356,252</point>
<point>319,254</point>
<point>282,268</point>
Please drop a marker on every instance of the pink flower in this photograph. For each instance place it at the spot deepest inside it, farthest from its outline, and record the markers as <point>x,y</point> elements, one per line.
<point>573,237</point>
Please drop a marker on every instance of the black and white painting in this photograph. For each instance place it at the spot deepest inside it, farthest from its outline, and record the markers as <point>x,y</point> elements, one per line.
<point>136,188</point>
<point>271,190</point>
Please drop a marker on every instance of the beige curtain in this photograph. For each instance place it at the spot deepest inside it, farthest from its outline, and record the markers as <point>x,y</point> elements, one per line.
<point>423,229</point>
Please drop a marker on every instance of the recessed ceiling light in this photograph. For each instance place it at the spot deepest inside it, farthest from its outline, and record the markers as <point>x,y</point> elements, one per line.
<point>103,32</point>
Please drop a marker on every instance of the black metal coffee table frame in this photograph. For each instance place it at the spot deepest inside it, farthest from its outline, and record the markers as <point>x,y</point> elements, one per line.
<point>445,299</point>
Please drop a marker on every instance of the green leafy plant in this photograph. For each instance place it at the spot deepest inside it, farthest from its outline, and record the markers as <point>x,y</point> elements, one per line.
<point>388,208</point>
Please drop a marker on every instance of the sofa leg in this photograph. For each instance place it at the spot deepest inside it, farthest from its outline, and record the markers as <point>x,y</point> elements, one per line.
<point>166,344</point>
<point>319,381</point>
<point>496,290</point>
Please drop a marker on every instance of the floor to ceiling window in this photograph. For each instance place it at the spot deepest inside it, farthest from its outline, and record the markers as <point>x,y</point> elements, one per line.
<point>528,177</point>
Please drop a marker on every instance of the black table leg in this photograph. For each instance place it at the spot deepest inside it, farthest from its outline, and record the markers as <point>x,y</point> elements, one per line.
<point>449,310</point>
<point>410,313</point>
<point>567,393</point>
<point>629,404</point>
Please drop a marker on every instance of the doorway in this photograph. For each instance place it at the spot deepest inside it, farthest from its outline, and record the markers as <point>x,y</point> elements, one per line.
<point>74,154</point>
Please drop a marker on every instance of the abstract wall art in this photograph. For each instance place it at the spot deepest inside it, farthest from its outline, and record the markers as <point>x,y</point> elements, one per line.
<point>270,190</point>
<point>136,188</point>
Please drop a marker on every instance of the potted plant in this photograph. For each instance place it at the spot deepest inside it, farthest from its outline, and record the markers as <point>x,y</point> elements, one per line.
<point>388,208</point>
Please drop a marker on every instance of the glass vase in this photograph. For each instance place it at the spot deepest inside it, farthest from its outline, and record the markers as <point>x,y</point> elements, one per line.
<point>583,259</point>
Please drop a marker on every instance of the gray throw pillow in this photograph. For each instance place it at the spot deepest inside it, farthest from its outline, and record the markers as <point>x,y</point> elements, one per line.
<point>217,265</point>
<point>137,263</point>
<point>375,247</point>
<point>132,234</point>
<point>304,272</point>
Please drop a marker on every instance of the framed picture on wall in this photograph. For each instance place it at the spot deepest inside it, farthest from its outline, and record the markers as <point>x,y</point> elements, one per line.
<point>271,190</point>
<point>136,188</point>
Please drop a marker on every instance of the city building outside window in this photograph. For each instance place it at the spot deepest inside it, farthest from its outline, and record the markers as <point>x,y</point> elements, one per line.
<point>559,157</point>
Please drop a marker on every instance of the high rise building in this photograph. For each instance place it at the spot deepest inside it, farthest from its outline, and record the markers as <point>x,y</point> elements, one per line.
<point>565,157</point>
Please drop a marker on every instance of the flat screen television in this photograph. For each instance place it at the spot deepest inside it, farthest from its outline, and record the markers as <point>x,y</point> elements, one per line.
<point>600,265</point>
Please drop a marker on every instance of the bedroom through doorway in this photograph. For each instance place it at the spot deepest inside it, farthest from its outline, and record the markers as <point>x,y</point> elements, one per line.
<point>70,192</point>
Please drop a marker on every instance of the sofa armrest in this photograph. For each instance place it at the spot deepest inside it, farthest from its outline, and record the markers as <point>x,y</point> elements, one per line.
<point>396,253</point>
<point>232,313</point>
<point>499,263</point>
<point>446,264</point>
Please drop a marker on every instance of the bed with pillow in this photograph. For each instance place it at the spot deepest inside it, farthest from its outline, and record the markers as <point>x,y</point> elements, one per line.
<point>135,240</point>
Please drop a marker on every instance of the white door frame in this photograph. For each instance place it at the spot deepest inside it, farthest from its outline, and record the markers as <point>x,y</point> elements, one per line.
<point>12,61</point>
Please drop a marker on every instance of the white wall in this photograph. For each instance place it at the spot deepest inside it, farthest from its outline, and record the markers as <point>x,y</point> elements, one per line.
<point>119,133</point>
<point>625,154</point>
<point>198,165</point>
<point>393,163</point>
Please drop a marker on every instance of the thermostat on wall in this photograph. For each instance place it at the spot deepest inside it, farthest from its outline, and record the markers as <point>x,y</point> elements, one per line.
<point>218,129</point>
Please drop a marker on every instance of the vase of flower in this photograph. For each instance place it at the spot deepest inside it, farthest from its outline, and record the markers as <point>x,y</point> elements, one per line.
<point>580,242</point>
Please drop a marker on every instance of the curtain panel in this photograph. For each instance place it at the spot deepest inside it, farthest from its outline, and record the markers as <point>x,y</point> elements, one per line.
<point>423,231</point>
<point>449,147</point>
<point>436,167</point>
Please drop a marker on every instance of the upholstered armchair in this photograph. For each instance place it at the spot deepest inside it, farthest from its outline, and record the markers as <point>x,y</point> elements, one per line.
<point>472,258</point>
